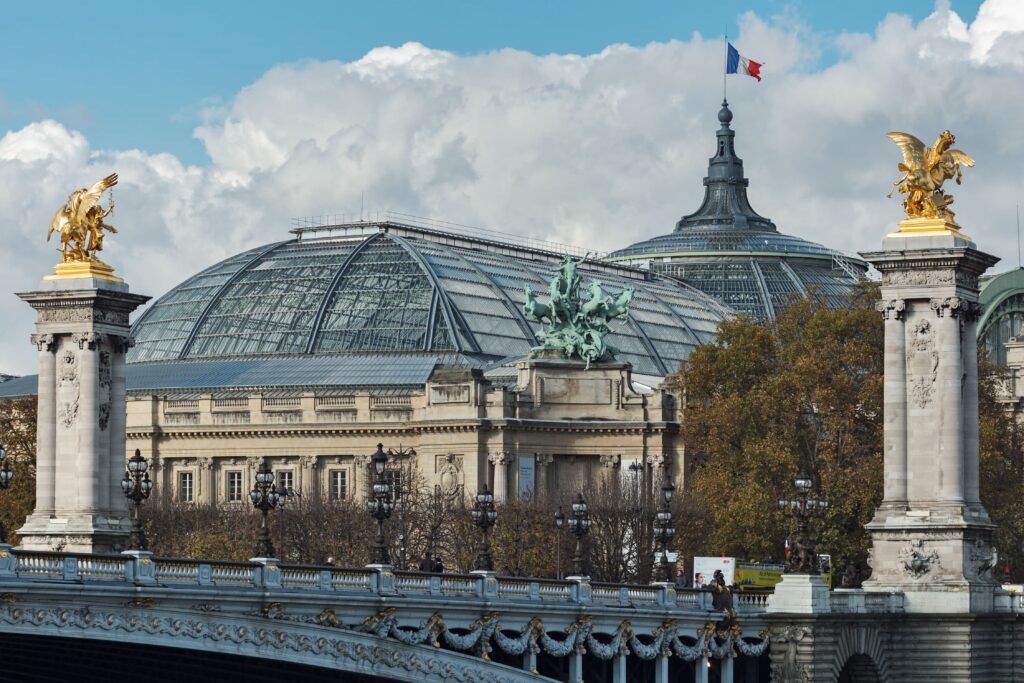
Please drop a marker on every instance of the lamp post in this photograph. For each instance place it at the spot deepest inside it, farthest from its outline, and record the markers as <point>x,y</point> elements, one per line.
<point>5,480</point>
<point>803,559</point>
<point>484,515</point>
<point>380,504</point>
<point>265,498</point>
<point>663,530</point>
<point>559,522</point>
<point>137,486</point>
<point>579,525</point>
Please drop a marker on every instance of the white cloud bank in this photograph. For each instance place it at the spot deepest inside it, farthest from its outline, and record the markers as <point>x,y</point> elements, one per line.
<point>599,150</point>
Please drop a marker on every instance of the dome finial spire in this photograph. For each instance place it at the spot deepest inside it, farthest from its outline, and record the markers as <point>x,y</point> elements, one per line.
<point>725,114</point>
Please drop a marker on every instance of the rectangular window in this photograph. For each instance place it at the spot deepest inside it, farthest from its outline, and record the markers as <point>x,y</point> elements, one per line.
<point>234,489</point>
<point>285,480</point>
<point>339,484</point>
<point>186,492</point>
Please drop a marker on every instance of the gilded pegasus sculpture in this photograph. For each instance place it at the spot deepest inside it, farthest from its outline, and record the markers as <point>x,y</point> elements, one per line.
<point>80,222</point>
<point>925,169</point>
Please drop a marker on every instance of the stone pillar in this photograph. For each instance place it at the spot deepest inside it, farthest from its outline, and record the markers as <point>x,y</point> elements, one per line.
<point>894,404</point>
<point>544,462</point>
<point>501,462</point>
<point>80,433</point>
<point>307,481</point>
<point>610,470</point>
<point>46,427</point>
<point>363,480</point>
<point>935,548</point>
<point>206,485</point>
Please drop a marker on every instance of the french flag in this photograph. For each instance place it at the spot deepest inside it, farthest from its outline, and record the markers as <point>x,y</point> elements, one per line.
<point>735,63</point>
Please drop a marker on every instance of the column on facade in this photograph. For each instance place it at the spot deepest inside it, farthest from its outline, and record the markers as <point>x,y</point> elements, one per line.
<point>659,468</point>
<point>951,401</point>
<point>544,462</point>
<point>501,462</point>
<point>206,484</point>
<point>610,470</point>
<point>363,481</point>
<point>46,431</point>
<point>88,461</point>
<point>894,398</point>
<point>971,312</point>
<point>306,483</point>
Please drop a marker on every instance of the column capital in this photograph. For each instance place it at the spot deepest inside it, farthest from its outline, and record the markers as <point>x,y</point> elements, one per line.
<point>205,462</point>
<point>955,307</point>
<point>658,460</point>
<point>44,342</point>
<point>610,460</point>
<point>544,459</point>
<point>87,339</point>
<point>120,343</point>
<point>361,460</point>
<point>308,461</point>
<point>892,308</point>
<point>500,458</point>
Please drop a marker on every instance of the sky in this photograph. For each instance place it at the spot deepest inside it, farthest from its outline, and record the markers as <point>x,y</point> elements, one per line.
<point>581,122</point>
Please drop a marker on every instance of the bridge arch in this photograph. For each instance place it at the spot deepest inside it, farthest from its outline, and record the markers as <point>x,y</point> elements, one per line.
<point>860,656</point>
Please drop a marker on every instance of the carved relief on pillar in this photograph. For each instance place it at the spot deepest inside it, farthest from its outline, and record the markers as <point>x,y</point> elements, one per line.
<point>82,314</point>
<point>67,388</point>
<point>929,278</point>
<point>894,309</point>
<point>922,363</point>
<point>918,561</point>
<point>44,342</point>
<point>103,409</point>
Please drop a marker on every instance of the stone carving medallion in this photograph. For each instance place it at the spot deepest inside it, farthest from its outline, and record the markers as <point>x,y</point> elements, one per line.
<point>922,363</point>
<point>918,561</point>
<point>449,474</point>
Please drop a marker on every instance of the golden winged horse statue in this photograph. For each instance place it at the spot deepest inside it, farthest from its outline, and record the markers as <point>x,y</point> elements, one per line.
<point>925,169</point>
<point>80,222</point>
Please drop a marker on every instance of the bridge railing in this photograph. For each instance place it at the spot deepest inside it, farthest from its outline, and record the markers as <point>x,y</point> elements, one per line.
<point>143,568</point>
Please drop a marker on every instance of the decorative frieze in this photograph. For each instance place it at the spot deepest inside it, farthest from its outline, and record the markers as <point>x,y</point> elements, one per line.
<point>82,314</point>
<point>929,277</point>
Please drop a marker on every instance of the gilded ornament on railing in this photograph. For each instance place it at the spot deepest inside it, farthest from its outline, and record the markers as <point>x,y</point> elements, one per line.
<point>925,169</point>
<point>81,223</point>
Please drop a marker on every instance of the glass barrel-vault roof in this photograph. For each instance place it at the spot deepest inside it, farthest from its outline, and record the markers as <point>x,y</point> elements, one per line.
<point>400,289</point>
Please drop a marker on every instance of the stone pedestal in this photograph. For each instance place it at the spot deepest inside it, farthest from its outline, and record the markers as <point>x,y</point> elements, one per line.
<point>931,536</point>
<point>800,594</point>
<point>82,335</point>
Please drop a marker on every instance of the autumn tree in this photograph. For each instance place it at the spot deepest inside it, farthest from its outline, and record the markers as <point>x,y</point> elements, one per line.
<point>18,437</point>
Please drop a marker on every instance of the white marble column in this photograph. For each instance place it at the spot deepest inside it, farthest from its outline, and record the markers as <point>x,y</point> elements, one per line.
<point>951,400</point>
<point>118,388</point>
<point>501,462</point>
<point>46,425</point>
<point>88,463</point>
<point>894,400</point>
<point>610,470</point>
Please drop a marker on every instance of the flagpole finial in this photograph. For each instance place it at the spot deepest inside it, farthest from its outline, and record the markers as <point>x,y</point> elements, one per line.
<point>725,114</point>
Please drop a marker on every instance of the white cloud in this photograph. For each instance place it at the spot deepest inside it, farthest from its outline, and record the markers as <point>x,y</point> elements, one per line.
<point>599,150</point>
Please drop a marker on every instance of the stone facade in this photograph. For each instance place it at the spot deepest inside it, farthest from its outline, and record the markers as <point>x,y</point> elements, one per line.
<point>82,336</point>
<point>558,428</point>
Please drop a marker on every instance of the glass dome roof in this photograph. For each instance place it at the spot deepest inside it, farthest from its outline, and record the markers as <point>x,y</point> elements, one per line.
<point>729,251</point>
<point>393,288</point>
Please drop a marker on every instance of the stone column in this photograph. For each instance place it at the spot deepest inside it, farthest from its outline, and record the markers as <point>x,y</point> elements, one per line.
<point>46,427</point>
<point>501,462</point>
<point>363,480</point>
<point>88,474</point>
<point>307,483</point>
<point>206,484</point>
<point>894,395</point>
<point>119,346</point>
<point>544,461</point>
<point>951,423</point>
<point>610,470</point>
<point>969,317</point>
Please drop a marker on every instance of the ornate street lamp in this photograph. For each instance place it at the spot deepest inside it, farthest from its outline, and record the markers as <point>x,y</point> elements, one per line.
<point>803,558</point>
<point>5,480</point>
<point>663,530</point>
<point>265,498</point>
<point>579,525</point>
<point>380,504</point>
<point>559,522</point>
<point>283,494</point>
<point>484,515</point>
<point>137,486</point>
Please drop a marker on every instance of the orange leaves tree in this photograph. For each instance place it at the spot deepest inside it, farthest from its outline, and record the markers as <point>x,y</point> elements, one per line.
<point>764,402</point>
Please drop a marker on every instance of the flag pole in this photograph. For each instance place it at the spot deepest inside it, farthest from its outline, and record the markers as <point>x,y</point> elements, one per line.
<point>725,67</point>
